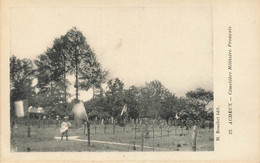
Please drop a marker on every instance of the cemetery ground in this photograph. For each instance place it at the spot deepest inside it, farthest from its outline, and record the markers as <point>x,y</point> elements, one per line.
<point>109,138</point>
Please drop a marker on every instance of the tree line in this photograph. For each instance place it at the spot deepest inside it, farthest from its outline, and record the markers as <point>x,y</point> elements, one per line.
<point>69,55</point>
<point>151,101</point>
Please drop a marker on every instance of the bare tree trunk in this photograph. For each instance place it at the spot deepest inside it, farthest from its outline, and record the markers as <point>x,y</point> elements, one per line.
<point>88,127</point>
<point>65,86</point>
<point>77,80</point>
<point>52,93</point>
<point>194,136</point>
<point>93,91</point>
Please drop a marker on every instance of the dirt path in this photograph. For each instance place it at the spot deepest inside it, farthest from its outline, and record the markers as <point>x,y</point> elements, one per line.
<point>75,138</point>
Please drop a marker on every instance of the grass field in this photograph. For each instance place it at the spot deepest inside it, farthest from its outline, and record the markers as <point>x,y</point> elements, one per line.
<point>108,139</point>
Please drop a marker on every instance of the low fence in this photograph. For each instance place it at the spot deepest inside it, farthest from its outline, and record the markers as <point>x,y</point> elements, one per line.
<point>141,136</point>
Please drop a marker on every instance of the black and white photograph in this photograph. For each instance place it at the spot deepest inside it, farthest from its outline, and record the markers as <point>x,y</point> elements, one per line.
<point>111,79</point>
<point>121,81</point>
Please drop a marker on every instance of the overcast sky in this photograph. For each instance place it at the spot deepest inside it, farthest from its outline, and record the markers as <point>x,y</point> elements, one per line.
<point>137,45</point>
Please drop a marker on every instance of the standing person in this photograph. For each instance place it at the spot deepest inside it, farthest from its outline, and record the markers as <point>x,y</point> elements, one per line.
<point>65,127</point>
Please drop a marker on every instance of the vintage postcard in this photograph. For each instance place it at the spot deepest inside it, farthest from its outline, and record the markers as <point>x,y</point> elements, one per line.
<point>130,81</point>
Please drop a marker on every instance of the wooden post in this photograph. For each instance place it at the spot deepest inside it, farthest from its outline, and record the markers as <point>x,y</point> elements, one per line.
<point>142,145</point>
<point>105,129</point>
<point>153,137</point>
<point>128,146</point>
<point>56,123</point>
<point>85,126</point>
<point>114,128</point>
<point>95,128</point>
<point>153,131</point>
<point>134,148</point>
<point>88,126</point>
<point>135,131</point>
<point>43,124</point>
<point>29,123</point>
<point>161,132</point>
<point>194,136</point>
<point>142,138</point>
<point>39,118</point>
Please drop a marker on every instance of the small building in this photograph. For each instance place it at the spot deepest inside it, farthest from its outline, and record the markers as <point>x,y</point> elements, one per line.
<point>36,112</point>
